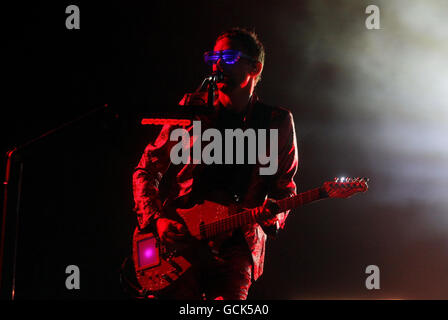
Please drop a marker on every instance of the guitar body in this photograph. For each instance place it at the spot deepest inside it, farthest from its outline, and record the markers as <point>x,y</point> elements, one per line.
<point>157,266</point>
<point>164,270</point>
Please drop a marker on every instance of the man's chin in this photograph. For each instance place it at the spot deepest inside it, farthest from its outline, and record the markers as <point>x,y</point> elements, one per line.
<point>224,87</point>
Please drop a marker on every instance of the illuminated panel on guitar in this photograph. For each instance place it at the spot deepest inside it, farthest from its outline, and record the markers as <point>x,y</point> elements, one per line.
<point>148,253</point>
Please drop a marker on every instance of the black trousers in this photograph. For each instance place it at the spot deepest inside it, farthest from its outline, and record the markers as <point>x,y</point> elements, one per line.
<point>224,274</point>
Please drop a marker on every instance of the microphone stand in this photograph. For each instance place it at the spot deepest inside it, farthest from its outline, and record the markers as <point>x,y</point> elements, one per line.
<point>211,81</point>
<point>211,92</point>
<point>10,157</point>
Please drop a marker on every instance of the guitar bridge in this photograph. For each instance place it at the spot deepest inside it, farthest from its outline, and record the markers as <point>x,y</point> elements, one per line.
<point>175,265</point>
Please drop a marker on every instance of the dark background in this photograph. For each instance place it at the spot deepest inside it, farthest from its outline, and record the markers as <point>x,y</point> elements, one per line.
<point>365,102</point>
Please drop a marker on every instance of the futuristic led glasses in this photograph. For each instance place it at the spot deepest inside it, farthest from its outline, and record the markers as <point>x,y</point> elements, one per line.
<point>227,56</point>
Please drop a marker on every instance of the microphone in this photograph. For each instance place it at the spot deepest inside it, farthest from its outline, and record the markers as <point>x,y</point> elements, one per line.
<point>212,79</point>
<point>217,76</point>
<point>204,91</point>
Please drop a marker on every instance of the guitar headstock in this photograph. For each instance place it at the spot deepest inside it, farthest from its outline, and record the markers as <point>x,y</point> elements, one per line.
<point>345,187</point>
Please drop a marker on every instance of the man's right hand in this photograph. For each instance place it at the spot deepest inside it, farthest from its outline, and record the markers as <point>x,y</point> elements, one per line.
<point>171,232</point>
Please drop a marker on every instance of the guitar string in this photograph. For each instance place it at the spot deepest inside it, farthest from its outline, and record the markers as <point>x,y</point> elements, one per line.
<point>227,223</point>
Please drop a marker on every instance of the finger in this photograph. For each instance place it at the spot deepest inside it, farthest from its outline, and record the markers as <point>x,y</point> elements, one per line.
<point>269,214</point>
<point>170,239</point>
<point>176,227</point>
<point>270,221</point>
<point>181,228</point>
<point>170,242</point>
<point>174,236</point>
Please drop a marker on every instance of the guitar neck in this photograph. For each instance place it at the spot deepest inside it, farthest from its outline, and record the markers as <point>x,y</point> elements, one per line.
<point>301,199</point>
<point>253,215</point>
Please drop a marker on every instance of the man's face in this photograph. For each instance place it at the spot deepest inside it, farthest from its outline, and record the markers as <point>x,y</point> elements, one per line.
<point>236,76</point>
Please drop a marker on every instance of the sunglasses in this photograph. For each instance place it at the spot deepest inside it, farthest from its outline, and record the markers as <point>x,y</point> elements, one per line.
<point>227,56</point>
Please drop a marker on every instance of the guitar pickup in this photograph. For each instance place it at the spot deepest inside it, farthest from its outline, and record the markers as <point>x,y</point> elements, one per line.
<point>175,266</point>
<point>167,278</point>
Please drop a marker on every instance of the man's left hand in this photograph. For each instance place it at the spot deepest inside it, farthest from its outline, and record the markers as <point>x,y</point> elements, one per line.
<point>270,210</point>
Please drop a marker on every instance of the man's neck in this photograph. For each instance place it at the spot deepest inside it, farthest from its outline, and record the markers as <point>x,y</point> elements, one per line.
<point>236,103</point>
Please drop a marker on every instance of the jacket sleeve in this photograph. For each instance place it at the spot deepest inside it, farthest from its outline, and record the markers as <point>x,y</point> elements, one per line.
<point>283,185</point>
<point>153,164</point>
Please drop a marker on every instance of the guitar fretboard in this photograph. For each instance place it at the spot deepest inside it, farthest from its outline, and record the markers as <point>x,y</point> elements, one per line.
<point>253,215</point>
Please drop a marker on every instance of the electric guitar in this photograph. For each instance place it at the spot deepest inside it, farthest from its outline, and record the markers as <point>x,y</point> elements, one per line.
<point>157,266</point>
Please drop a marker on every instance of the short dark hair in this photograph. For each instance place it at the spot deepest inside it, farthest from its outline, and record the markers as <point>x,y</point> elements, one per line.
<point>249,42</point>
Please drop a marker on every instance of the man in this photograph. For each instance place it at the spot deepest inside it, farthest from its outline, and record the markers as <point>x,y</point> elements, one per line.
<point>236,260</point>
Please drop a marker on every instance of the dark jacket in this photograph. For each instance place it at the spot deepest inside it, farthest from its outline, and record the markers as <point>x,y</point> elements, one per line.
<point>156,180</point>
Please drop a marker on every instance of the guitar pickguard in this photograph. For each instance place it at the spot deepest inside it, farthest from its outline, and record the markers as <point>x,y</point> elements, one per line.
<point>203,213</point>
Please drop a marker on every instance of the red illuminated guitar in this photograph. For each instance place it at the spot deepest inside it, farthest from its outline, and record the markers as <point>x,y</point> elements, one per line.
<point>157,266</point>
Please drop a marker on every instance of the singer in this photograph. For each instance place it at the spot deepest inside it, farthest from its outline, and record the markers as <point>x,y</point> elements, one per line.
<point>223,267</point>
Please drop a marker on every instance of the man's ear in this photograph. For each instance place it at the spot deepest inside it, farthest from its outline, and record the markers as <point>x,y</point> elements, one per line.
<point>257,68</point>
